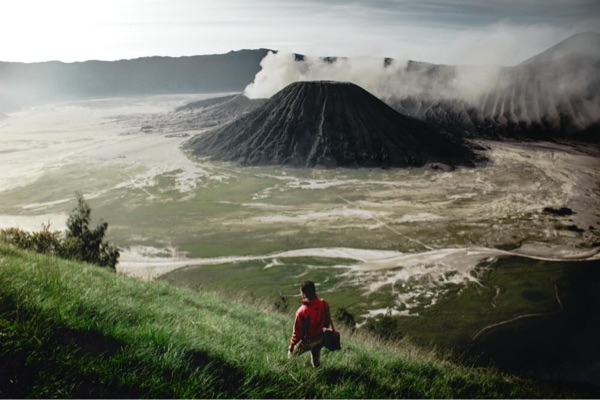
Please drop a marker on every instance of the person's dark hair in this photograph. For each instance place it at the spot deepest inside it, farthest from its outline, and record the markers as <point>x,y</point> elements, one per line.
<point>308,288</point>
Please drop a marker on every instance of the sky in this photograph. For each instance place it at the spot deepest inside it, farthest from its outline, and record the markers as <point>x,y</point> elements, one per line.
<point>476,32</point>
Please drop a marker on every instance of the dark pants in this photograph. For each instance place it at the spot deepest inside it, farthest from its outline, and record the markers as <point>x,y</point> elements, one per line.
<point>314,348</point>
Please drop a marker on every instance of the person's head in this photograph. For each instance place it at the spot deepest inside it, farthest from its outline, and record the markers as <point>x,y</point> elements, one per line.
<point>308,288</point>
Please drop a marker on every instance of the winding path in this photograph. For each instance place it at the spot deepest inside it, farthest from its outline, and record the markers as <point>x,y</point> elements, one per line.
<point>495,325</point>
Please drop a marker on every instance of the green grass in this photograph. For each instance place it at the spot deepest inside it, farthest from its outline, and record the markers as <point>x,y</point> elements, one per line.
<point>552,340</point>
<point>510,287</point>
<point>270,283</point>
<point>73,330</point>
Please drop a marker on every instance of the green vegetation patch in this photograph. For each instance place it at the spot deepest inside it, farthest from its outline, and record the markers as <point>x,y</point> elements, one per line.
<point>277,282</point>
<point>274,280</point>
<point>531,317</point>
<point>72,330</point>
<point>525,316</point>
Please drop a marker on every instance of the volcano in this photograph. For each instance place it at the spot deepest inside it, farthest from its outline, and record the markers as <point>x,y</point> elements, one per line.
<point>553,95</point>
<point>330,124</point>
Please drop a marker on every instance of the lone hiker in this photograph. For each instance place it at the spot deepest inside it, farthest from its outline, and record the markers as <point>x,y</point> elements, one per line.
<point>311,319</point>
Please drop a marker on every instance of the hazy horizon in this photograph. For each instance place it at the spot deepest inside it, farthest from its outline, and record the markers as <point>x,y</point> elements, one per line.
<point>504,32</point>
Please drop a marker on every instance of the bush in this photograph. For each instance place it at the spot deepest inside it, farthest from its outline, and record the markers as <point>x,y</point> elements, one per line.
<point>346,318</point>
<point>44,241</point>
<point>281,304</point>
<point>80,243</point>
<point>87,245</point>
<point>17,237</point>
<point>386,327</point>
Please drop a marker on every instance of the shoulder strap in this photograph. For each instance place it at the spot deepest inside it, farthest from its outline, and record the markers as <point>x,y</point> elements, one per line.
<point>328,320</point>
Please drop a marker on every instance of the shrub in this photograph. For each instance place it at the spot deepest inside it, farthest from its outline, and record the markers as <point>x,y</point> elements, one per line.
<point>44,241</point>
<point>79,243</point>
<point>17,237</point>
<point>346,318</point>
<point>281,304</point>
<point>386,327</point>
<point>84,244</point>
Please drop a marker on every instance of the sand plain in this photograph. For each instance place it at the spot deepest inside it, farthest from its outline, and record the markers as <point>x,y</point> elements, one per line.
<point>414,219</point>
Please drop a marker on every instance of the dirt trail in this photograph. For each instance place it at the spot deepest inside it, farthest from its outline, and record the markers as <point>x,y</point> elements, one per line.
<point>523,316</point>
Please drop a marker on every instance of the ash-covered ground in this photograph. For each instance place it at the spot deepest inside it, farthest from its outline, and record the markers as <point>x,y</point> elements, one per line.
<point>167,210</point>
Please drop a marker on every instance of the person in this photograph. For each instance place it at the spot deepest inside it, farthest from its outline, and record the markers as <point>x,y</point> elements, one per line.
<point>312,318</point>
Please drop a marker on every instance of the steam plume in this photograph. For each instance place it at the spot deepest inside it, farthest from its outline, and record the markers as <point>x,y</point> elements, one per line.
<point>385,78</point>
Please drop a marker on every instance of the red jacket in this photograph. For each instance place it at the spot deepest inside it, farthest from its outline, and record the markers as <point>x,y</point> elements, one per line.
<point>311,318</point>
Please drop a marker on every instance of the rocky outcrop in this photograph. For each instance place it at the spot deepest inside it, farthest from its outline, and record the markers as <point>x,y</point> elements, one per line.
<point>329,124</point>
<point>199,115</point>
<point>217,111</point>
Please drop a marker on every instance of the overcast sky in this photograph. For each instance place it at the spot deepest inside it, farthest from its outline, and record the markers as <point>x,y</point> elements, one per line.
<point>440,31</point>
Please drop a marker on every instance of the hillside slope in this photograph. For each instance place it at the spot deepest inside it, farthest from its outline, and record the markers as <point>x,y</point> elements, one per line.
<point>553,94</point>
<point>72,331</point>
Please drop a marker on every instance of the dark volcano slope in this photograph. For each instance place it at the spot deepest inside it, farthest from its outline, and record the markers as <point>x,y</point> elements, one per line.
<point>330,124</point>
<point>555,94</point>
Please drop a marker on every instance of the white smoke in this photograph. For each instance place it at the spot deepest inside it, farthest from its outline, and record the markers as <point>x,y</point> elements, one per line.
<point>281,69</point>
<point>383,78</point>
<point>528,92</point>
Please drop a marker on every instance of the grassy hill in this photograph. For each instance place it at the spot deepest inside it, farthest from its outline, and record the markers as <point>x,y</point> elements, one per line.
<point>75,330</point>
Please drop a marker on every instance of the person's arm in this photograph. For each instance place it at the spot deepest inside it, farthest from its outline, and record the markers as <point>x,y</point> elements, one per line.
<point>328,321</point>
<point>296,332</point>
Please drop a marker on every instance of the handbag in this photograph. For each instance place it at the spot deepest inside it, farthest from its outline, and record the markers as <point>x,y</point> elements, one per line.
<point>331,340</point>
<point>331,337</point>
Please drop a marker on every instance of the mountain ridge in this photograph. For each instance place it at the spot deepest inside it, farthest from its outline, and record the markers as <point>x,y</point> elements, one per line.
<point>555,94</point>
<point>25,84</point>
<point>584,42</point>
<point>552,95</point>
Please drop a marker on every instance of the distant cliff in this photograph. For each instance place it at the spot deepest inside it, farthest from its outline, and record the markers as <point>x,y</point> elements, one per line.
<point>24,84</point>
<point>555,94</point>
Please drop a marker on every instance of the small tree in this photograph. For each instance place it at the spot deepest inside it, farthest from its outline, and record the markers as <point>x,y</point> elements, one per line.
<point>85,244</point>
